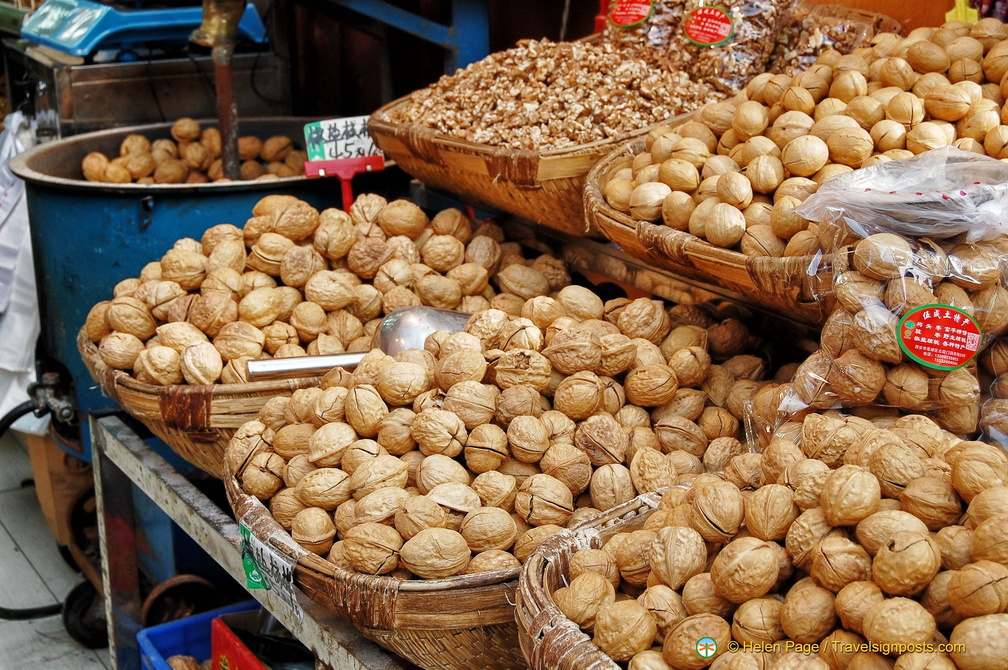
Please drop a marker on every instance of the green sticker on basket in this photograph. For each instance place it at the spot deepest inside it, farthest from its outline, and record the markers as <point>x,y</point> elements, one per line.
<point>268,569</point>
<point>254,578</point>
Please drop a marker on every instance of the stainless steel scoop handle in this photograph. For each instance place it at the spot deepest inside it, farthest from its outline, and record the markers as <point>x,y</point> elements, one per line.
<point>405,328</point>
<point>300,366</point>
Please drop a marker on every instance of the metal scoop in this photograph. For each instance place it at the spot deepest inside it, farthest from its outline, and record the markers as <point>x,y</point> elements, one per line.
<point>405,328</point>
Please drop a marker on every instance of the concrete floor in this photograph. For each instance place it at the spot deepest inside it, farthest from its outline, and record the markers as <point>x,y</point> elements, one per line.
<point>33,574</point>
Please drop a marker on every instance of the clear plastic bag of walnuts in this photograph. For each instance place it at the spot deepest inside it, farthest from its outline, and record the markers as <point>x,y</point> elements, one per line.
<point>724,47</point>
<point>911,311</point>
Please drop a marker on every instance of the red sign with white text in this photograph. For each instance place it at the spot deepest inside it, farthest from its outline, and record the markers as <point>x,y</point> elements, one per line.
<point>626,13</point>
<point>708,26</point>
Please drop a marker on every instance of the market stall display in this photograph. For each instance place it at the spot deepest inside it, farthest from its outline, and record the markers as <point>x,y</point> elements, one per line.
<point>813,477</point>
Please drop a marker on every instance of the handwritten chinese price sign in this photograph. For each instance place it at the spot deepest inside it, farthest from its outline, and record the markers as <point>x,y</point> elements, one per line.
<point>627,13</point>
<point>339,138</point>
<point>709,26</point>
<point>939,336</point>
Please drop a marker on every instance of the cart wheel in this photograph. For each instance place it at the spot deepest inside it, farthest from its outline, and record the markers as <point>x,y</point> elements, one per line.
<point>84,616</point>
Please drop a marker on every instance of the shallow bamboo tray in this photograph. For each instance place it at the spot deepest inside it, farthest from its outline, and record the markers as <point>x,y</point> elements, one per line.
<point>459,623</point>
<point>549,640</point>
<point>780,284</point>
<point>542,186</point>
<point>197,422</point>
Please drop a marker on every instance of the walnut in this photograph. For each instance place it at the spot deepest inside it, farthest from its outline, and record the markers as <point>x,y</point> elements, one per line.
<point>933,500</point>
<point>976,589</point>
<point>496,489</point>
<point>201,363</point>
<point>769,512</point>
<point>602,438</point>
<point>854,601</point>
<point>676,554</point>
<point>314,530</point>
<point>263,476</point>
<point>651,471</point>
<point>856,378</point>
<point>439,432</point>
<point>569,465</point>
<point>679,649</point>
<point>159,365</point>
<point>492,561</point>
<point>717,511</point>
<point>372,548</point>
<point>898,619</point>
<point>524,367</point>
<point>987,542</point>
<point>528,438</point>
<point>977,467</point>
<point>807,615</point>
<point>623,629</point>
<point>237,338</point>
<point>906,563</point>
<point>573,350</point>
<point>611,485</point>
<point>983,639</point>
<point>850,494</point>
<point>435,553</point>
<point>517,401</point>
<point>488,528</point>
<point>582,600</point>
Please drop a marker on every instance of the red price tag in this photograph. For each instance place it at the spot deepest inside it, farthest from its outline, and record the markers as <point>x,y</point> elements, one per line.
<point>627,13</point>
<point>708,26</point>
<point>939,336</point>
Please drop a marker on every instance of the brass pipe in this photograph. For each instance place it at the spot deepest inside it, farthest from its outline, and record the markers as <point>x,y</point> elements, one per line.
<point>227,111</point>
<point>219,30</point>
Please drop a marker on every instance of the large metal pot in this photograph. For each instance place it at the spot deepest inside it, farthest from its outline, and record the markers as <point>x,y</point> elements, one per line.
<point>87,237</point>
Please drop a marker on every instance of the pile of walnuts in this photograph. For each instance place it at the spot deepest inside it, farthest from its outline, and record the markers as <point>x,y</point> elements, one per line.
<point>296,281</point>
<point>735,174</point>
<point>856,543</point>
<point>464,456</point>
<point>192,156</point>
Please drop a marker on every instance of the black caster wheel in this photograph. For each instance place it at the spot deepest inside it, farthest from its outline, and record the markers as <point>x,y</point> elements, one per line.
<point>84,616</point>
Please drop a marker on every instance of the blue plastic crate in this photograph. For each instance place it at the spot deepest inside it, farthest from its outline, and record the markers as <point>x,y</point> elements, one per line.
<point>189,635</point>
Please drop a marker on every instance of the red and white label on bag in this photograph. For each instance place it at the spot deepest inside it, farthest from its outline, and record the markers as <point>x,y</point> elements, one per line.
<point>939,336</point>
<point>627,13</point>
<point>708,26</point>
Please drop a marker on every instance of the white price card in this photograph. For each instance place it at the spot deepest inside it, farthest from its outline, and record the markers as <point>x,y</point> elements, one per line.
<point>334,139</point>
<point>268,569</point>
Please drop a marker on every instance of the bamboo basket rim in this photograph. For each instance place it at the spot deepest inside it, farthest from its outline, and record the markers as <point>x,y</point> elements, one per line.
<point>309,562</point>
<point>110,379</point>
<point>535,604</point>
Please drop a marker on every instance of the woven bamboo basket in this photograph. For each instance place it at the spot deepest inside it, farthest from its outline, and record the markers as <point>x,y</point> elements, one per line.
<point>458,623</point>
<point>780,284</point>
<point>542,186</point>
<point>195,421</point>
<point>549,640</point>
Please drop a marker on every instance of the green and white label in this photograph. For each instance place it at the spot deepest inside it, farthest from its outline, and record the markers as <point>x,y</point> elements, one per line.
<point>269,570</point>
<point>334,139</point>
